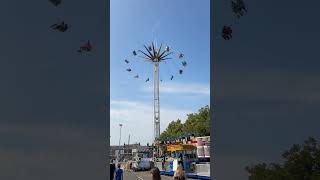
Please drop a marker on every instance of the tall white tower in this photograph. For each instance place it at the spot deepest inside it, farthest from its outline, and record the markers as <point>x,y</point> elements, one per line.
<point>156,101</point>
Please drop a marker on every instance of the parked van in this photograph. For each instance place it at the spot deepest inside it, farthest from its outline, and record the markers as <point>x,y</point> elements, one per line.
<point>142,165</point>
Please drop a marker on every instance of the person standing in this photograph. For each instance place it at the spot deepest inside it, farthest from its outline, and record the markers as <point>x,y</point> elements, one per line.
<point>179,174</point>
<point>119,173</point>
<point>180,160</point>
<point>156,174</point>
<point>163,161</point>
<point>112,170</point>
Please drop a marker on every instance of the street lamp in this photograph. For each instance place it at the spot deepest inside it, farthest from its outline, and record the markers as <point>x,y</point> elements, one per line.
<point>119,142</point>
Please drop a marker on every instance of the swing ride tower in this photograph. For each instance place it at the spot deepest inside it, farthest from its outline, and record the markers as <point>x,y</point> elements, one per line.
<point>156,55</point>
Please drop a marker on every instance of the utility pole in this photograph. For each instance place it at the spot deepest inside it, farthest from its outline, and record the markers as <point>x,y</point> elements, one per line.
<point>119,142</point>
<point>128,149</point>
<point>129,139</point>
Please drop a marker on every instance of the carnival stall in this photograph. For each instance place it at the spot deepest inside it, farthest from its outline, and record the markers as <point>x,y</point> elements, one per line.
<point>192,152</point>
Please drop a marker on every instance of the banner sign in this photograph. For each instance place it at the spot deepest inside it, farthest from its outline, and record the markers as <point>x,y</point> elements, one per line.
<point>184,139</point>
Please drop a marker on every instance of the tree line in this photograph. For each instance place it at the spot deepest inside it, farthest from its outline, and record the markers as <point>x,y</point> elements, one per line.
<point>198,122</point>
<point>300,162</point>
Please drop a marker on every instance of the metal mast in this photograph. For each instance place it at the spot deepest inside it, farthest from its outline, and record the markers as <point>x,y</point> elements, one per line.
<point>156,101</point>
<point>119,143</point>
<point>129,140</point>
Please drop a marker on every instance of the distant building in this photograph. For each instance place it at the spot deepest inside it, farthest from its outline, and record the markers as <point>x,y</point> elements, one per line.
<point>130,152</point>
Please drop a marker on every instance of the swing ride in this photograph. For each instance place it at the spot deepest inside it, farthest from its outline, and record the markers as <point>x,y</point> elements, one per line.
<point>62,27</point>
<point>155,55</point>
<point>239,9</point>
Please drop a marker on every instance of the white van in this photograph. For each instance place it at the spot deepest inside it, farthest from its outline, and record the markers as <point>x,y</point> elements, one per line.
<point>142,165</point>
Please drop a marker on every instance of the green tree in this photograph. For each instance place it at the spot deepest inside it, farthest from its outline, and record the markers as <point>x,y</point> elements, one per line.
<point>301,162</point>
<point>174,129</point>
<point>197,122</point>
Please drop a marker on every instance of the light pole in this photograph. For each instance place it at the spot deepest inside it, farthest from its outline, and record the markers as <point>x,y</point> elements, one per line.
<point>119,142</point>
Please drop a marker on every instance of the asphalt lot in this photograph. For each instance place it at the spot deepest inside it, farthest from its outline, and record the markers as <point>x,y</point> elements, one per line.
<point>143,175</point>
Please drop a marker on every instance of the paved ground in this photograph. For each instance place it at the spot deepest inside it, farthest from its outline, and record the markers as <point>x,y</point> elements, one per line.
<point>143,175</point>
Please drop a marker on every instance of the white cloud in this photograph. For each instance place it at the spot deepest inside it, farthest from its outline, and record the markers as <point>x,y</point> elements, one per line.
<point>137,120</point>
<point>181,88</point>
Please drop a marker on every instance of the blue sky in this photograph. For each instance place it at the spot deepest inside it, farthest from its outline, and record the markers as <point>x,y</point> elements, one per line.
<point>184,26</point>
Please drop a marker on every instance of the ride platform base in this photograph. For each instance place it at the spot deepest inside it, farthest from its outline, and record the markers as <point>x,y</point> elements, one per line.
<point>189,175</point>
